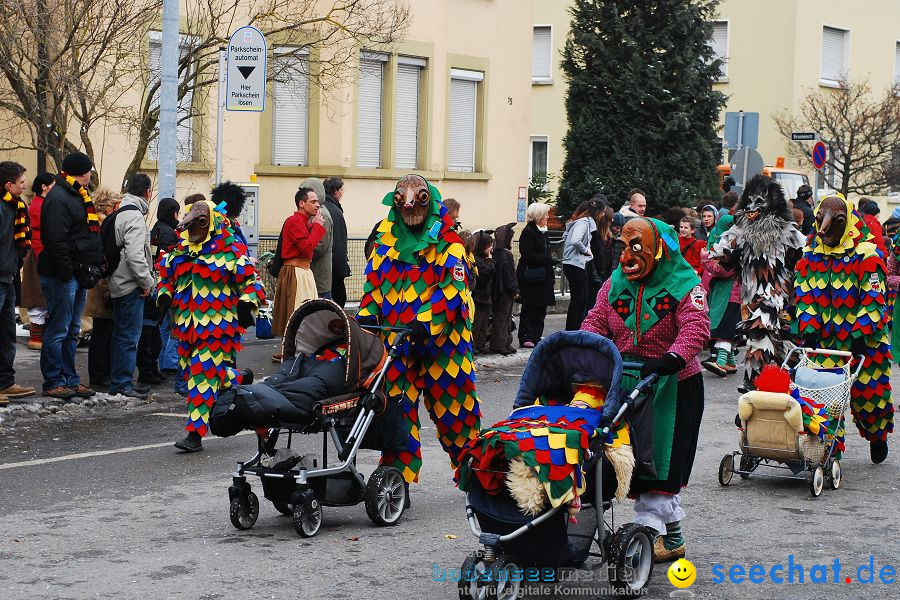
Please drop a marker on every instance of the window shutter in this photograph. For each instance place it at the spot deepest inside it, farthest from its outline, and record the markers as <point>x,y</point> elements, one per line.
<point>541,54</point>
<point>184,133</point>
<point>368,132</point>
<point>833,52</point>
<point>720,44</point>
<point>290,118</point>
<point>406,117</point>
<point>463,105</point>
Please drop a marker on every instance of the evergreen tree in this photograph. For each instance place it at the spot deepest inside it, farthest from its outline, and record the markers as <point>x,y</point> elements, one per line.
<point>641,107</point>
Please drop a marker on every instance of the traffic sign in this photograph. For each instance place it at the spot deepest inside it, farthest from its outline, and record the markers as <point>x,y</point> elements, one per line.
<point>245,84</point>
<point>746,163</point>
<point>803,136</point>
<point>741,129</point>
<point>819,155</point>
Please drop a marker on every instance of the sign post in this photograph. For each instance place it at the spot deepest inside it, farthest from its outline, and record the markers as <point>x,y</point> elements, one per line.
<point>521,204</point>
<point>245,87</point>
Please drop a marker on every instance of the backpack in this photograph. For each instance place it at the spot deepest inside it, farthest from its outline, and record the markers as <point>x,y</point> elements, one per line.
<point>112,252</point>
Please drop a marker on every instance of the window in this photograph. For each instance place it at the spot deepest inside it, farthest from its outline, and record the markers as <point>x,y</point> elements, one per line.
<point>184,136</point>
<point>719,45</point>
<point>542,55</point>
<point>463,114</point>
<point>406,112</point>
<point>368,124</point>
<point>538,156</point>
<point>835,47</point>
<point>290,115</point>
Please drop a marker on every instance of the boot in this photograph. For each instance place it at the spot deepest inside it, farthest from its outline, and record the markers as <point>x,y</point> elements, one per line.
<point>36,337</point>
<point>731,363</point>
<point>717,366</point>
<point>192,442</point>
<point>669,546</point>
<point>878,451</point>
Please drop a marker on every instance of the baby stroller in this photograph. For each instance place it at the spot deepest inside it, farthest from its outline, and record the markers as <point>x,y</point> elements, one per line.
<point>515,542</point>
<point>298,486</point>
<point>772,423</point>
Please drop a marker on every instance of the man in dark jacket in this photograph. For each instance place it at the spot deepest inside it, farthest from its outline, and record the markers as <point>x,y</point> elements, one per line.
<point>804,198</point>
<point>340,264</point>
<point>68,266</point>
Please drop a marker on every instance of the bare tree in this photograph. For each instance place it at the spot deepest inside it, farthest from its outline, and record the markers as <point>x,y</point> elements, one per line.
<point>861,130</point>
<point>327,35</point>
<point>65,66</point>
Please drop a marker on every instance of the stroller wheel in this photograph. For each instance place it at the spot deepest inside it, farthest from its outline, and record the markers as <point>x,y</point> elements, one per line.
<point>816,481</point>
<point>243,518</point>
<point>307,520</point>
<point>836,476</point>
<point>726,469</point>
<point>385,496</point>
<point>506,579</point>
<point>475,578</point>
<point>631,559</point>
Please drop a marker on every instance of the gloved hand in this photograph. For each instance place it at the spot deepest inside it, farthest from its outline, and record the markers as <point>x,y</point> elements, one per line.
<point>667,364</point>
<point>810,340</point>
<point>163,303</point>
<point>419,333</point>
<point>858,346</point>
<point>245,314</point>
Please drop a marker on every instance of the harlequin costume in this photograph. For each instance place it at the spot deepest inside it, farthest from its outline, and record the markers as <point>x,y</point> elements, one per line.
<point>840,298</point>
<point>654,309</point>
<point>417,276</point>
<point>212,287</point>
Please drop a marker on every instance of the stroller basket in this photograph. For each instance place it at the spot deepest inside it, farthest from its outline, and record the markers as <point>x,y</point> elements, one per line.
<point>836,396</point>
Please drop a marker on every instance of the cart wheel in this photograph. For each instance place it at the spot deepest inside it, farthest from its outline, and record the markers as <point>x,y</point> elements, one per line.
<point>307,521</point>
<point>836,475</point>
<point>726,469</point>
<point>385,496</point>
<point>747,464</point>
<point>631,558</point>
<point>506,579</point>
<point>285,508</point>
<point>816,481</point>
<point>244,519</point>
<point>475,578</point>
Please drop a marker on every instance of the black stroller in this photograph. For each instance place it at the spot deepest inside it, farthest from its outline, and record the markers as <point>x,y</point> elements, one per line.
<point>298,486</point>
<point>514,542</point>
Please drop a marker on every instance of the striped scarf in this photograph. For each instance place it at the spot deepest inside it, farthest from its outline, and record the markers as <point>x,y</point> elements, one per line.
<point>93,223</point>
<point>21,226</point>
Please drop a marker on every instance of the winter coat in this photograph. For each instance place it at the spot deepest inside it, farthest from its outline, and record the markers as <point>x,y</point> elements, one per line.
<point>135,268</point>
<point>505,274</point>
<point>534,250</point>
<point>163,234</point>
<point>322,261</point>
<point>809,217</point>
<point>577,245</point>
<point>9,253</point>
<point>340,263</point>
<point>34,215</point>
<point>98,304</point>
<point>484,284</point>
<point>65,235</point>
<point>690,250</point>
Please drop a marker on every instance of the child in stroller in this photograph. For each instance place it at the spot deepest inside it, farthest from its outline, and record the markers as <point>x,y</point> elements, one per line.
<point>557,453</point>
<point>330,383</point>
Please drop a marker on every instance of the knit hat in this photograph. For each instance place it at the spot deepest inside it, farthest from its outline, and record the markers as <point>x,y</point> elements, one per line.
<point>77,163</point>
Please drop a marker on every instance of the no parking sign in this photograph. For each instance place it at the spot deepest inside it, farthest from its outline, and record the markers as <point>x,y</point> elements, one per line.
<point>819,155</point>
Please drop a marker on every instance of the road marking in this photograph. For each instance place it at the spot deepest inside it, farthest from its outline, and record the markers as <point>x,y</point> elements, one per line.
<point>168,415</point>
<point>55,459</point>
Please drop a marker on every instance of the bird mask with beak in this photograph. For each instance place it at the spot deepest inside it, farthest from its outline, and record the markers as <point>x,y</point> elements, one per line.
<point>831,220</point>
<point>197,223</point>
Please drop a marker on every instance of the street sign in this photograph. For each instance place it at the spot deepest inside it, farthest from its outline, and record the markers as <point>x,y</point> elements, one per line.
<point>819,155</point>
<point>746,163</point>
<point>803,136</point>
<point>741,129</point>
<point>245,86</point>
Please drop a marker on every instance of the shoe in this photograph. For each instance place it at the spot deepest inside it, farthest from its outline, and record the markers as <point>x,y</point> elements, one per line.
<point>246,377</point>
<point>662,554</point>
<point>714,367</point>
<point>878,451</point>
<point>83,391</point>
<point>743,388</point>
<point>527,344</point>
<point>192,442</point>
<point>131,393</point>
<point>151,379</point>
<point>504,351</point>
<point>141,387</point>
<point>35,336</point>
<point>17,391</point>
<point>3,400</point>
<point>277,358</point>
<point>730,369</point>
<point>61,392</point>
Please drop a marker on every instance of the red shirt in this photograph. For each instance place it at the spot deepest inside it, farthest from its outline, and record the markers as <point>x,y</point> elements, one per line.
<point>298,238</point>
<point>690,250</point>
<point>34,214</point>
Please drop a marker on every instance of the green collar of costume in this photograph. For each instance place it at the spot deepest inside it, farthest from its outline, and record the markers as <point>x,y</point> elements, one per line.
<point>722,225</point>
<point>644,303</point>
<point>407,242</point>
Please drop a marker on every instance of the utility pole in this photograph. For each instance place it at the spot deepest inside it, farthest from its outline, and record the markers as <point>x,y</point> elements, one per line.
<point>168,100</point>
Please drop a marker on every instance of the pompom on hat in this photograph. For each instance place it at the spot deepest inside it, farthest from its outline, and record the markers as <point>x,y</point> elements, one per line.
<point>77,163</point>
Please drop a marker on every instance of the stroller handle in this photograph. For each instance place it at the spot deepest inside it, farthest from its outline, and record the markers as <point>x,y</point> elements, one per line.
<point>860,359</point>
<point>638,394</point>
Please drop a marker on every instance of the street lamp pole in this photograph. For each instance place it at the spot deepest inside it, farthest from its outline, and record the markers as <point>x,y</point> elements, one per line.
<point>168,101</point>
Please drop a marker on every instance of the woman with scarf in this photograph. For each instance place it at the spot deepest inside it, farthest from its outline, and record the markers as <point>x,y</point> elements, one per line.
<point>840,301</point>
<point>654,309</point>
<point>723,289</point>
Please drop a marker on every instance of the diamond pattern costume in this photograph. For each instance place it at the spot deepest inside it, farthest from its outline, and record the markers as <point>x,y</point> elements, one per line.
<point>840,297</point>
<point>205,282</point>
<point>421,276</point>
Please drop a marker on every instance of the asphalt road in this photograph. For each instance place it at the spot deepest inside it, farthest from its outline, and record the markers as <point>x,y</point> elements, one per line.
<point>98,504</point>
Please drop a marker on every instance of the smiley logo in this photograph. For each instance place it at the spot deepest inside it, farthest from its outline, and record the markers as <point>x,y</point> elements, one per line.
<point>682,573</point>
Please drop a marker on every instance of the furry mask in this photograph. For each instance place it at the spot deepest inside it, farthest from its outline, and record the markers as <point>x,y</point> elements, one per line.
<point>412,199</point>
<point>197,222</point>
<point>642,250</point>
<point>763,196</point>
<point>831,221</point>
<point>232,195</point>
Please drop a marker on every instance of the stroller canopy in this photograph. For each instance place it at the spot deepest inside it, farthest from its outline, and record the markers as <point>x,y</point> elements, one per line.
<point>569,357</point>
<point>316,324</point>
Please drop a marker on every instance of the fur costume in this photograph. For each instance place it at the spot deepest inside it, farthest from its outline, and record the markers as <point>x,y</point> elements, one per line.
<point>208,281</point>
<point>417,275</point>
<point>840,295</point>
<point>763,245</point>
